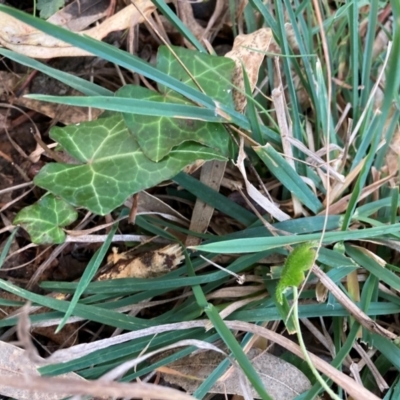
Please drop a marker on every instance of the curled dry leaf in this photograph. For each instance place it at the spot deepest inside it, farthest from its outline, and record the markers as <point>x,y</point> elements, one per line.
<point>148,265</point>
<point>249,51</point>
<point>31,42</point>
<point>186,14</point>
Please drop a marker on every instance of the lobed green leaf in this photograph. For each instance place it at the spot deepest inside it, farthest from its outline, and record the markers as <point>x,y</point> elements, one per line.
<point>45,219</point>
<point>110,164</point>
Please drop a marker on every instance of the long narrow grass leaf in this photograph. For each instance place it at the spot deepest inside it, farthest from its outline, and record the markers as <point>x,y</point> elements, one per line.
<point>367,52</point>
<point>7,246</point>
<point>82,85</point>
<point>228,337</point>
<point>134,106</point>
<point>177,23</point>
<point>88,275</point>
<point>263,10</point>
<point>251,110</point>
<point>215,199</point>
<point>259,244</point>
<point>129,285</point>
<point>354,55</point>
<point>129,61</point>
<point>110,53</point>
<point>389,349</point>
<point>337,361</point>
<point>91,313</point>
<point>288,177</point>
<point>373,267</point>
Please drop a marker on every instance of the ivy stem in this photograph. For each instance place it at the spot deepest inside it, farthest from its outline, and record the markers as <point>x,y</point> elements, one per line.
<point>314,371</point>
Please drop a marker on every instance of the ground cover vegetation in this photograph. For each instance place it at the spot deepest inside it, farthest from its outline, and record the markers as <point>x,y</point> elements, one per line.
<point>218,176</point>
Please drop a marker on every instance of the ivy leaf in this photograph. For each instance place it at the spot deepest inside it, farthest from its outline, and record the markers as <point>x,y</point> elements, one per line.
<point>299,260</point>
<point>157,136</point>
<point>44,220</point>
<point>110,164</point>
<point>212,73</point>
<point>49,7</point>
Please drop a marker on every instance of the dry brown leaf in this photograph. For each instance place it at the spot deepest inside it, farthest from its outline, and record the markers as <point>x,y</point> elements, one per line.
<point>341,379</point>
<point>341,205</point>
<point>281,379</point>
<point>31,42</point>
<point>14,363</point>
<point>192,168</point>
<point>186,14</point>
<point>249,51</point>
<point>285,127</point>
<point>321,292</point>
<point>79,14</point>
<point>351,307</point>
<point>148,265</point>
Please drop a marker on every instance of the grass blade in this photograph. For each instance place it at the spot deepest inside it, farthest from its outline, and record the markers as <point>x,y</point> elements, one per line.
<point>215,199</point>
<point>134,106</point>
<point>259,244</point>
<point>228,337</point>
<point>88,275</point>
<point>178,24</point>
<point>82,85</point>
<point>288,177</point>
<point>110,53</point>
<point>7,246</point>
